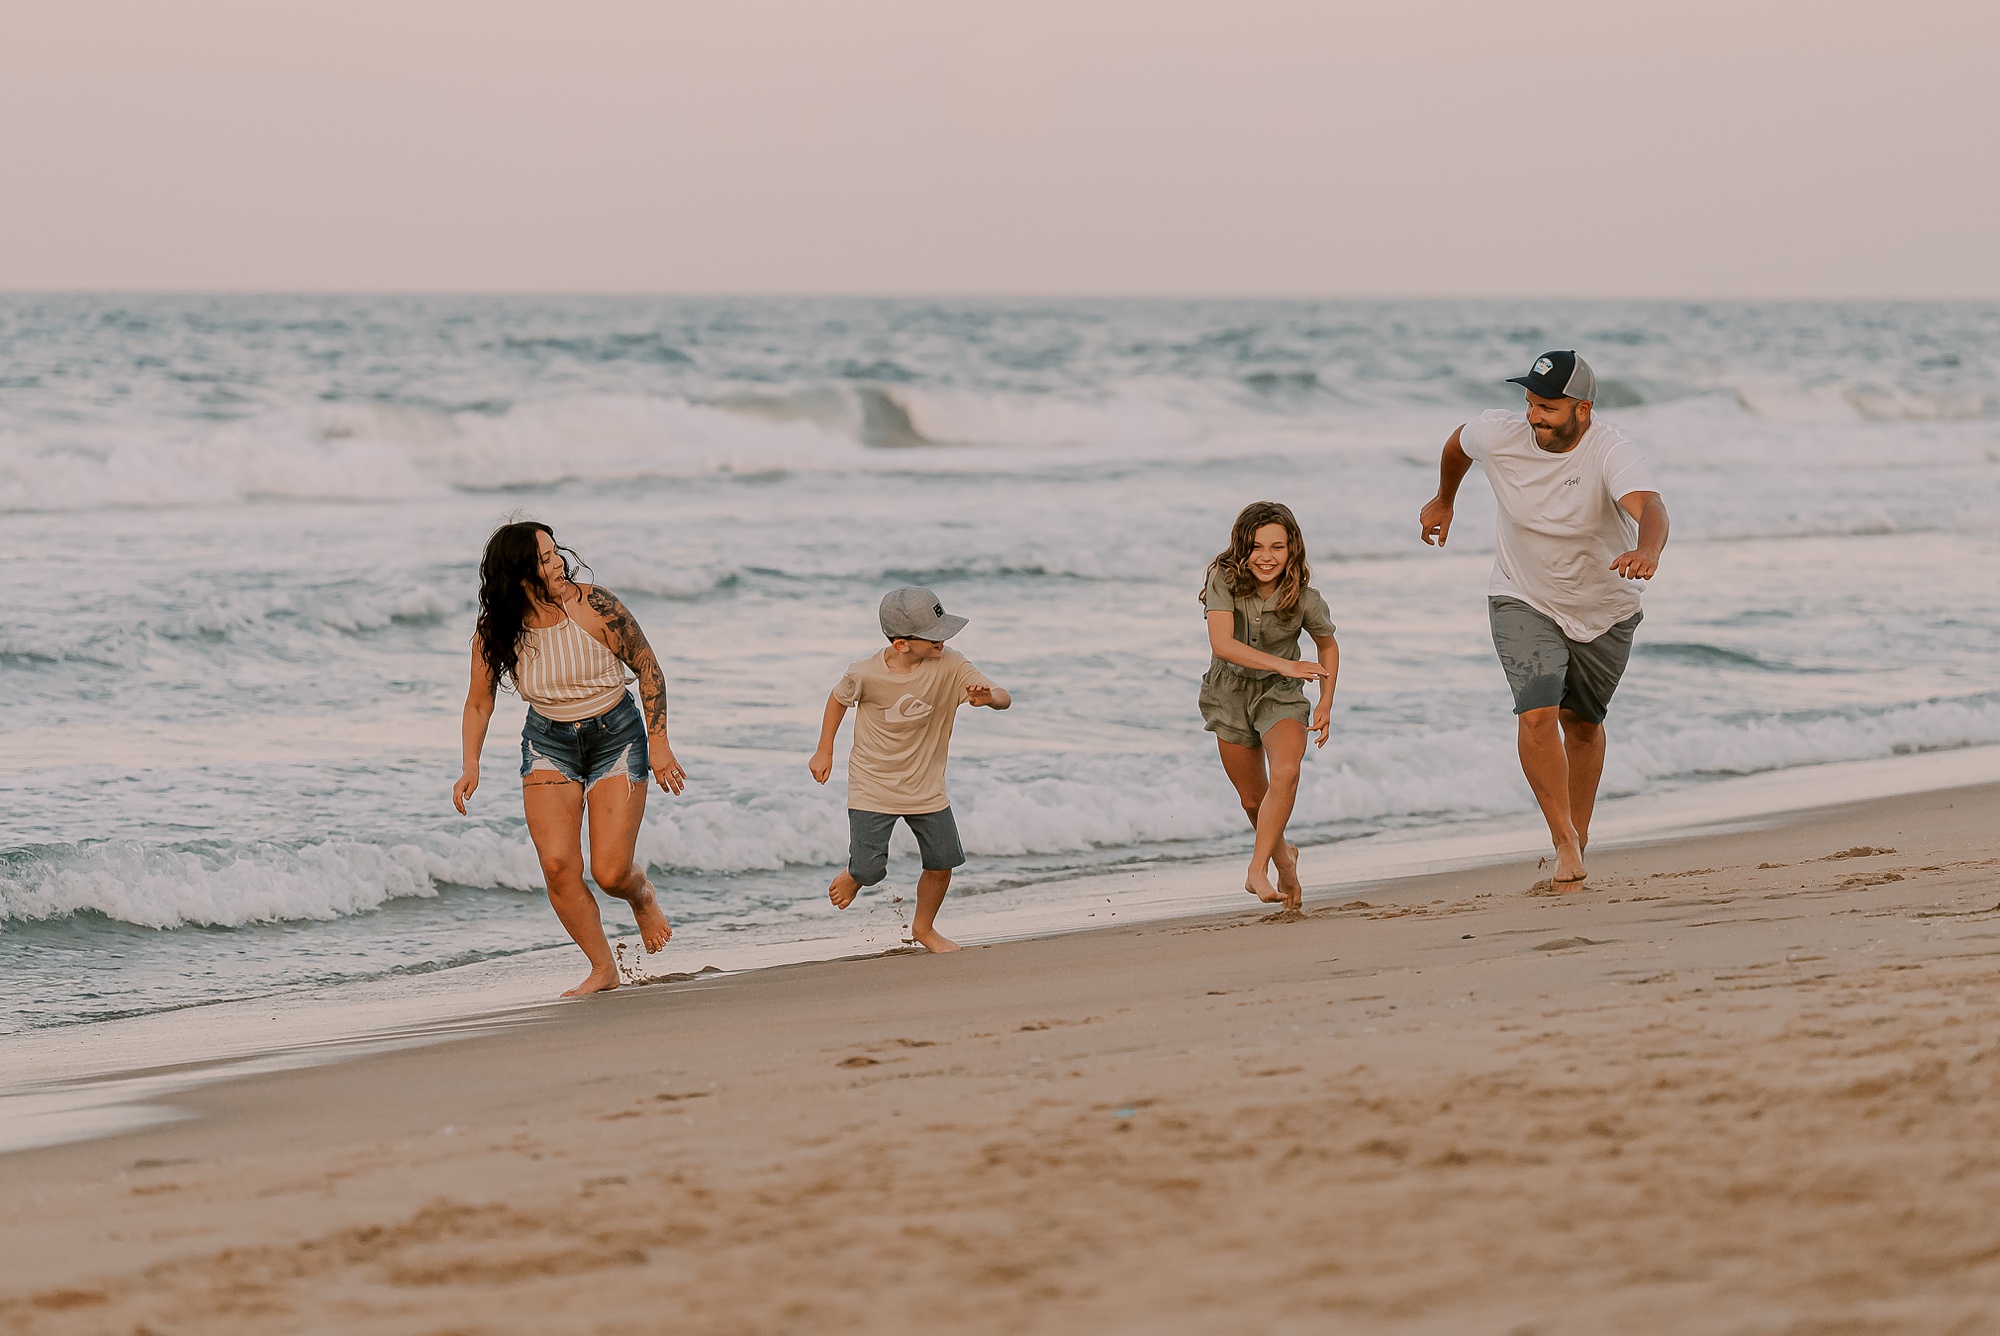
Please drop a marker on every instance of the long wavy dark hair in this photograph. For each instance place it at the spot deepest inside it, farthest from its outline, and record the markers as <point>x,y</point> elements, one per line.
<point>510,567</point>
<point>1234,560</point>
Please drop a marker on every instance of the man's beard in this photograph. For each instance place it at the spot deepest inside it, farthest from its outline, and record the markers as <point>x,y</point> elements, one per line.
<point>1559,438</point>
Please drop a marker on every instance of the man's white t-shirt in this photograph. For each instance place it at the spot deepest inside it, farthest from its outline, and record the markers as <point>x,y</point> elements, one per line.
<point>1560,525</point>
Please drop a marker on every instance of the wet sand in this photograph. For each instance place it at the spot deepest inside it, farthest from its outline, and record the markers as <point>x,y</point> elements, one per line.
<point>1743,1082</point>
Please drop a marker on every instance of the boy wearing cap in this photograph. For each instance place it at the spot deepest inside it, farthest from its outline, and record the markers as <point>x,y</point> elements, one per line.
<point>906,698</point>
<point>1581,521</point>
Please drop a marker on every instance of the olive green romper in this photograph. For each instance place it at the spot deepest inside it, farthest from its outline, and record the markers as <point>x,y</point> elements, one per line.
<point>1240,705</point>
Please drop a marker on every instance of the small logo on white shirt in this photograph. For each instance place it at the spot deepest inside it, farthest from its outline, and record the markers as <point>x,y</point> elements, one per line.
<point>1571,482</point>
<point>908,709</point>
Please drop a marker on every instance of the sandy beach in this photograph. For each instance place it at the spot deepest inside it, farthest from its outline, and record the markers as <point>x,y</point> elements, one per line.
<point>1742,1083</point>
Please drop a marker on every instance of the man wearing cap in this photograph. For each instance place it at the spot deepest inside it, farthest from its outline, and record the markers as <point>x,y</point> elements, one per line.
<point>905,699</point>
<point>1580,522</point>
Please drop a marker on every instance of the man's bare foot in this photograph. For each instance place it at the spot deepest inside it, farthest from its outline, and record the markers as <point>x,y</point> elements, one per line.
<point>1288,876</point>
<point>1569,866</point>
<point>600,981</point>
<point>843,890</point>
<point>1260,886</point>
<point>654,930</point>
<point>930,939</point>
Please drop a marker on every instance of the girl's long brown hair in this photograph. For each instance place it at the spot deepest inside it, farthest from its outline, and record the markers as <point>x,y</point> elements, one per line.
<point>1234,560</point>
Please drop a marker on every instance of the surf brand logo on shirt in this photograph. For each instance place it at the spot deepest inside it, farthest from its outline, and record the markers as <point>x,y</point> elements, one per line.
<point>908,709</point>
<point>1571,482</point>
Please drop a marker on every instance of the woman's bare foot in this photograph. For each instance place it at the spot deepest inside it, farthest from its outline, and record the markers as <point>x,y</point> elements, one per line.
<point>600,981</point>
<point>1260,886</point>
<point>1288,876</point>
<point>843,890</point>
<point>930,939</point>
<point>654,930</point>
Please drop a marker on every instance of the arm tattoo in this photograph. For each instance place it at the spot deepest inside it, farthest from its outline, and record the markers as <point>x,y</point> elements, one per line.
<point>628,642</point>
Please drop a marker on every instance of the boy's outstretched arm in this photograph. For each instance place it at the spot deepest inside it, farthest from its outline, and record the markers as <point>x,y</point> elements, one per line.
<point>994,698</point>
<point>829,724</point>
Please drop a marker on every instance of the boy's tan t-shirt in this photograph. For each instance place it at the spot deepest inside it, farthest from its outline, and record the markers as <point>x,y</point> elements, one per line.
<point>902,731</point>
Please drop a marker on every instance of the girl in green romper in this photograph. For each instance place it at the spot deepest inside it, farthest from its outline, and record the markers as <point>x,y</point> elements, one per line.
<point>1259,597</point>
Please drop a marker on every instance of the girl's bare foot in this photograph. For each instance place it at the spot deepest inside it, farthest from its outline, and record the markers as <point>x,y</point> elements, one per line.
<point>930,939</point>
<point>843,890</point>
<point>654,930</point>
<point>600,981</point>
<point>1569,866</point>
<point>1260,886</point>
<point>1288,876</point>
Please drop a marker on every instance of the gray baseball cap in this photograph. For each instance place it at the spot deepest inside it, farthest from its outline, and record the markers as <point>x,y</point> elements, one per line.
<point>1560,375</point>
<point>916,614</point>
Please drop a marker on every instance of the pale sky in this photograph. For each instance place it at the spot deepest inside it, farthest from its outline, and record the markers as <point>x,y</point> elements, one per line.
<point>1679,148</point>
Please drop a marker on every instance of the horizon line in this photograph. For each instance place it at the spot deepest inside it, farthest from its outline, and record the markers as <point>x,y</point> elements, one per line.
<point>717,294</point>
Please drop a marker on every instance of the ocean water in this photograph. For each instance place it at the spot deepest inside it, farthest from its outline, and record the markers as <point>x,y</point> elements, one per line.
<point>239,538</point>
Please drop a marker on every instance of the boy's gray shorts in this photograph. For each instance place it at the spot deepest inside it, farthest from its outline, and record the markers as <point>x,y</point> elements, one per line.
<point>868,842</point>
<point>1545,667</point>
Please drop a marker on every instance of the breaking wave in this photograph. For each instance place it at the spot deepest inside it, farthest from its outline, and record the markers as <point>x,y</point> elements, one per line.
<point>1080,806</point>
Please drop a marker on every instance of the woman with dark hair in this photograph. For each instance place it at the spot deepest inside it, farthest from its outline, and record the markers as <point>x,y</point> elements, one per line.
<point>565,648</point>
<point>1258,597</point>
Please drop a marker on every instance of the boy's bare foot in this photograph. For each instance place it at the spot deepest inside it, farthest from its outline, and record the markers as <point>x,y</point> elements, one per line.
<point>930,939</point>
<point>600,981</point>
<point>1260,886</point>
<point>843,890</point>
<point>654,930</point>
<point>1569,866</point>
<point>1288,876</point>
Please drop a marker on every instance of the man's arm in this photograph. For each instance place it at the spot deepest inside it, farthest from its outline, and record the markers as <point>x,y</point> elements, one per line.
<point>1452,468</point>
<point>821,764</point>
<point>1651,511</point>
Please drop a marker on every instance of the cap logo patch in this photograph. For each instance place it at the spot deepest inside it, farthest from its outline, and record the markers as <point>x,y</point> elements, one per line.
<point>1543,366</point>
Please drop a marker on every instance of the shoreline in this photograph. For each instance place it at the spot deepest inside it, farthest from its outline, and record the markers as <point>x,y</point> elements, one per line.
<point>1439,1104</point>
<point>105,1079</point>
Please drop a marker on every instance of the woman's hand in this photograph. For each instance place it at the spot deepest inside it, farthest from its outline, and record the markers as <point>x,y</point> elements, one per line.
<point>468,784</point>
<point>1305,672</point>
<point>1322,726</point>
<point>666,770</point>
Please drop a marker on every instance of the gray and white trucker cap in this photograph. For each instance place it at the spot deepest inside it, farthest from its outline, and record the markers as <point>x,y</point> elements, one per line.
<point>1560,375</point>
<point>916,614</point>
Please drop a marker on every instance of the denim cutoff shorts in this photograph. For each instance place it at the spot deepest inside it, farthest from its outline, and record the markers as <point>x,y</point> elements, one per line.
<point>612,743</point>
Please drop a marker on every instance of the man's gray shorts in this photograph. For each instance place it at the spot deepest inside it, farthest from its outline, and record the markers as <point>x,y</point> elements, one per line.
<point>1545,667</point>
<point>868,842</point>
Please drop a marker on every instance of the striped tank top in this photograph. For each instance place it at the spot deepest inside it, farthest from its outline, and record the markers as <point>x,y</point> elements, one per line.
<point>566,673</point>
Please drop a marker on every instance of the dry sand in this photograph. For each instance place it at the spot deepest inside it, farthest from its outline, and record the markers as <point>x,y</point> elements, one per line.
<point>1742,1083</point>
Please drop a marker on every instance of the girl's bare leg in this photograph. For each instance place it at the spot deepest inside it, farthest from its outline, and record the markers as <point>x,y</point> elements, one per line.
<point>617,806</point>
<point>1245,768</point>
<point>930,898</point>
<point>554,807</point>
<point>1284,750</point>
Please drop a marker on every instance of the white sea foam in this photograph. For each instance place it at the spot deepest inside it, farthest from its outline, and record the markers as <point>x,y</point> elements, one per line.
<point>157,887</point>
<point>1074,804</point>
<point>361,453</point>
